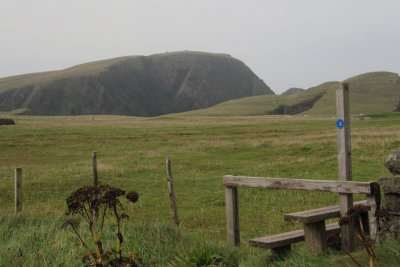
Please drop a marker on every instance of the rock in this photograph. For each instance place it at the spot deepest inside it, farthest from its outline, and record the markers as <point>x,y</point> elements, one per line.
<point>392,162</point>
<point>390,222</point>
<point>391,190</point>
<point>390,228</point>
<point>392,203</point>
<point>389,219</point>
<point>390,185</point>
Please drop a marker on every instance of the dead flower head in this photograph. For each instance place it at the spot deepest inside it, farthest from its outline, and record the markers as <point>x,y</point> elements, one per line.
<point>353,214</point>
<point>111,195</point>
<point>132,196</point>
<point>79,198</point>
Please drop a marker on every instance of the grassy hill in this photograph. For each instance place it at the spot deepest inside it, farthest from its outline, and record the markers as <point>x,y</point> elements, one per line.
<point>374,92</point>
<point>135,85</point>
<point>292,91</point>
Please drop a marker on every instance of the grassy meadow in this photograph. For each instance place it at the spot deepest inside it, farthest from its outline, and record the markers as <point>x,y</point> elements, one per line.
<point>55,155</point>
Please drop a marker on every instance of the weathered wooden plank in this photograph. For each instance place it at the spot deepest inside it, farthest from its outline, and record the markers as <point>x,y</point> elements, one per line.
<point>18,190</point>
<point>314,215</point>
<point>319,214</point>
<point>232,215</point>
<point>299,184</point>
<point>284,239</point>
<point>344,159</point>
<point>278,240</point>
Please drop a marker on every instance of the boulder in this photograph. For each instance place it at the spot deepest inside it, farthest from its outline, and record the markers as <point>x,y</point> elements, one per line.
<point>392,162</point>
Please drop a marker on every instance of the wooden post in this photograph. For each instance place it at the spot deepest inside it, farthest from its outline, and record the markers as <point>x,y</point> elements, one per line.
<point>374,202</point>
<point>232,215</point>
<point>172,198</point>
<point>95,179</point>
<point>315,236</point>
<point>94,166</point>
<point>18,190</point>
<point>344,158</point>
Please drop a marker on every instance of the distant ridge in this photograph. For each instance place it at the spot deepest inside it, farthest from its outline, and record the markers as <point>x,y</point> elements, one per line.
<point>134,85</point>
<point>373,92</point>
<point>292,91</point>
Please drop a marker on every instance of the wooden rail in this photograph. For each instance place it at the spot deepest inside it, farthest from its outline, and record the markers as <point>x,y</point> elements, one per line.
<point>231,182</point>
<point>345,187</point>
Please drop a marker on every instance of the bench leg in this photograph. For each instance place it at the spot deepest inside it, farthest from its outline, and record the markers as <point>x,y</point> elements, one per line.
<point>315,236</point>
<point>276,252</point>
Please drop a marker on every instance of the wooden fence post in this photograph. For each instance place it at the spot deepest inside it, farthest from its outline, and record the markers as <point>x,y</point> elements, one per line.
<point>232,215</point>
<point>344,159</point>
<point>94,167</point>
<point>374,202</point>
<point>18,190</point>
<point>95,178</point>
<point>172,198</point>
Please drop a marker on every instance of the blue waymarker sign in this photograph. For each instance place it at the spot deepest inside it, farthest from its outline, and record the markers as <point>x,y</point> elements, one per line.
<point>340,123</point>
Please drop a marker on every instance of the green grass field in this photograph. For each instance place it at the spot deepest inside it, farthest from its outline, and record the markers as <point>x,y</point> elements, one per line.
<point>55,155</point>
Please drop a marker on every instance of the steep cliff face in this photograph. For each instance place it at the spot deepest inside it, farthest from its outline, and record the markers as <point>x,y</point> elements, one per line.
<point>139,86</point>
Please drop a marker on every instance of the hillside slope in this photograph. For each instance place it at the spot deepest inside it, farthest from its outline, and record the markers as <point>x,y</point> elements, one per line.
<point>136,85</point>
<point>292,91</point>
<point>373,92</point>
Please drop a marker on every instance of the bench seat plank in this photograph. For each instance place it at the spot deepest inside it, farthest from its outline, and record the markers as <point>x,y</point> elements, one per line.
<point>320,214</point>
<point>284,239</point>
<point>278,240</point>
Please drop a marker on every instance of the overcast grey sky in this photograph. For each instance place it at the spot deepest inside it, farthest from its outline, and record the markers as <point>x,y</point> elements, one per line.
<point>287,43</point>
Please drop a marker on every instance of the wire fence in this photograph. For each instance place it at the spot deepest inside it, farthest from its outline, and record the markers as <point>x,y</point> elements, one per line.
<point>34,189</point>
<point>200,199</point>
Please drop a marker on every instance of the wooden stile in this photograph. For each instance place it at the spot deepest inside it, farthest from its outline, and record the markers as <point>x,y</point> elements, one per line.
<point>314,220</point>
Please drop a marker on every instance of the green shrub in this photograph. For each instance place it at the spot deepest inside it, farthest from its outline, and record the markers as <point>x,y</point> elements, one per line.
<point>4,121</point>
